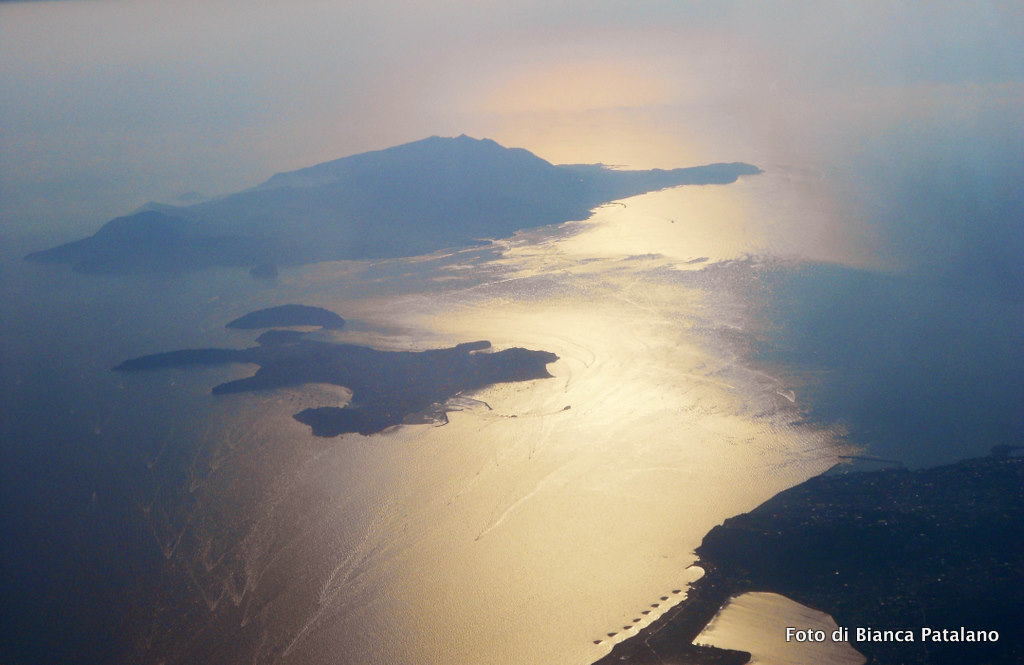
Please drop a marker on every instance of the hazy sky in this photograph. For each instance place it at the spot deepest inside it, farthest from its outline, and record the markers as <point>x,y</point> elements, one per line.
<point>106,104</point>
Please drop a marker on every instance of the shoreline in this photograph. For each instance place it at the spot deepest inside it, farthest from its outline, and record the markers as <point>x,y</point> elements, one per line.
<point>672,634</point>
<point>873,548</point>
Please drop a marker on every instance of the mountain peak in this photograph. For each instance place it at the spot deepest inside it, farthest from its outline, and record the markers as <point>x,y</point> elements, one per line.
<point>405,200</point>
<point>425,153</point>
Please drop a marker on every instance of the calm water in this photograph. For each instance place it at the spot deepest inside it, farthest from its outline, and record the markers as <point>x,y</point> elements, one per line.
<point>756,623</point>
<point>153,522</point>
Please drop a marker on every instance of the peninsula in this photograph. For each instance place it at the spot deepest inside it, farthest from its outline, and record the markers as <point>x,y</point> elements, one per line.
<point>924,551</point>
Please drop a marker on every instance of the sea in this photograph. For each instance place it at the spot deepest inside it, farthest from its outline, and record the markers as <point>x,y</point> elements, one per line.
<point>701,359</point>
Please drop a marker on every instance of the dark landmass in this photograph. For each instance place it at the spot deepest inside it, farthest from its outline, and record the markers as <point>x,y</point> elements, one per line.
<point>890,550</point>
<point>289,315</point>
<point>388,387</point>
<point>403,201</point>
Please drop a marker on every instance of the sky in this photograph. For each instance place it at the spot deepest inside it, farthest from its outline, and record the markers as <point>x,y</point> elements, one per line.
<point>886,109</point>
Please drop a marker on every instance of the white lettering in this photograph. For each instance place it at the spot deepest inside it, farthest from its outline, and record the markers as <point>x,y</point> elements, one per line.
<point>794,635</point>
<point>873,635</point>
<point>959,635</point>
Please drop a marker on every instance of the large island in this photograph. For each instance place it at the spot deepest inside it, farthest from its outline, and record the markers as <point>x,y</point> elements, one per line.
<point>403,201</point>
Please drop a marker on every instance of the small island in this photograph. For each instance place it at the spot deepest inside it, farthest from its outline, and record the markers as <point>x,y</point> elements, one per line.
<point>289,315</point>
<point>388,387</point>
<point>938,548</point>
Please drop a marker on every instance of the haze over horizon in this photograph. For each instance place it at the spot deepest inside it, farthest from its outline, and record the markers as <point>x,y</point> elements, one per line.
<point>889,120</point>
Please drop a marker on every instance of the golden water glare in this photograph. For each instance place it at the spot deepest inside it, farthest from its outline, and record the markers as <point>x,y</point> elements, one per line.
<point>546,520</point>
<point>756,623</point>
<point>550,515</point>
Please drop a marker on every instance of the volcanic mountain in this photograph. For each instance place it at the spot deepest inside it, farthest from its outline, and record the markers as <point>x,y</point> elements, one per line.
<point>403,201</point>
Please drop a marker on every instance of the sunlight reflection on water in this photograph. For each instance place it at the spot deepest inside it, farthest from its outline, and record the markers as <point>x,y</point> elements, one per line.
<point>756,623</point>
<point>545,516</point>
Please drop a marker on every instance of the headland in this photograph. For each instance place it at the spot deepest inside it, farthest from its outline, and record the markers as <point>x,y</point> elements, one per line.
<point>937,548</point>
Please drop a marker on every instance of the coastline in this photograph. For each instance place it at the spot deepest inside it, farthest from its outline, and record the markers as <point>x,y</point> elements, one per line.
<point>671,635</point>
<point>878,549</point>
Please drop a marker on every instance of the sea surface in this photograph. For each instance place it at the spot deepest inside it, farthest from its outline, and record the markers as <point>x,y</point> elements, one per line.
<point>757,622</point>
<point>149,521</point>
